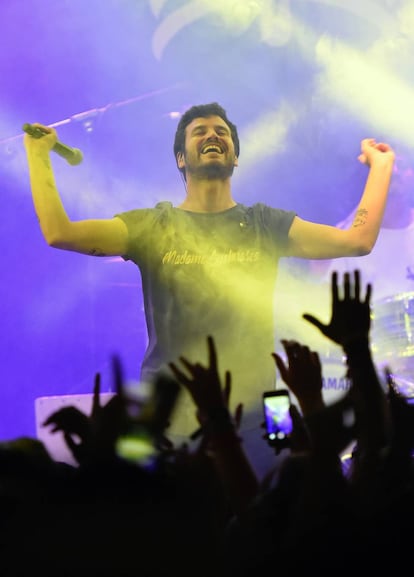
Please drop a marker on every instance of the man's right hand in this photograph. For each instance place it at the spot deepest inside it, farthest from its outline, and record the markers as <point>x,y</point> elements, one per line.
<point>45,143</point>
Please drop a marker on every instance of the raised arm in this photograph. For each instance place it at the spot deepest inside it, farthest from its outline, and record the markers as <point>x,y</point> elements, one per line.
<point>95,237</point>
<point>319,241</point>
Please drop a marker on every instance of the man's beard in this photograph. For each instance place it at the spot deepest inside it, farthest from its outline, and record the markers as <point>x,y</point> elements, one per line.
<point>211,171</point>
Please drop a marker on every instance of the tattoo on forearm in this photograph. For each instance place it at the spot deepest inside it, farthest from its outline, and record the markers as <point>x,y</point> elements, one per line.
<point>97,252</point>
<point>360,217</point>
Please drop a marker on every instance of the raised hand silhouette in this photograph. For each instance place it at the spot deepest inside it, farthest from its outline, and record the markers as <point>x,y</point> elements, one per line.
<point>351,314</point>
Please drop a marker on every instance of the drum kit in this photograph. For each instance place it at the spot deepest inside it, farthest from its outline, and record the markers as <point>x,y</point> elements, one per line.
<point>392,334</point>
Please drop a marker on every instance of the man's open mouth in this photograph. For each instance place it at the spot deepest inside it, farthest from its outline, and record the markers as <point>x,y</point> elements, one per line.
<point>211,148</point>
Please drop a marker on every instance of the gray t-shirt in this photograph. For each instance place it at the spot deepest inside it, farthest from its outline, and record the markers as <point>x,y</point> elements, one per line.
<point>210,274</point>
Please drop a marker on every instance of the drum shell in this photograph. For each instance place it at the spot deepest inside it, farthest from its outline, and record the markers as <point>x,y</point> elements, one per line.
<point>393,327</point>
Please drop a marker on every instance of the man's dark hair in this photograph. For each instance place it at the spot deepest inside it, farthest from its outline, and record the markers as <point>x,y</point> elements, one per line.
<point>203,111</point>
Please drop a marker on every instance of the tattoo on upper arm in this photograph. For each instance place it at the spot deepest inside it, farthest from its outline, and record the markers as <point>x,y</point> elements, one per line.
<point>360,217</point>
<point>97,252</point>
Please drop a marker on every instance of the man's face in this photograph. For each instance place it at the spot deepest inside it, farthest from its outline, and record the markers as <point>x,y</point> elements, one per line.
<point>209,149</point>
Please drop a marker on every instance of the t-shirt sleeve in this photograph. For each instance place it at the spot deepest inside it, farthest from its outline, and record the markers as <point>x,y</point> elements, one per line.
<point>276,222</point>
<point>138,223</point>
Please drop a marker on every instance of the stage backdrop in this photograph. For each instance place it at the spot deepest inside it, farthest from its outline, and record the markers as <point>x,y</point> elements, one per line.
<point>304,80</point>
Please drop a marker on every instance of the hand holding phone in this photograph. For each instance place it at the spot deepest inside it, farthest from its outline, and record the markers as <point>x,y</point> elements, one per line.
<point>147,421</point>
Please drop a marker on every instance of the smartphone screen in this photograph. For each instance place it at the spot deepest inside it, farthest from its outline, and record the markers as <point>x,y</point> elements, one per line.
<point>148,417</point>
<point>278,422</point>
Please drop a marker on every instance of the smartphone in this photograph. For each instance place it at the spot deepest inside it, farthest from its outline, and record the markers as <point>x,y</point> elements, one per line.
<point>148,419</point>
<point>278,423</point>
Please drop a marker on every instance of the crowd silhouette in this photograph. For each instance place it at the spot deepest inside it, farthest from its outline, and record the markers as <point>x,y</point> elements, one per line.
<point>136,504</point>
